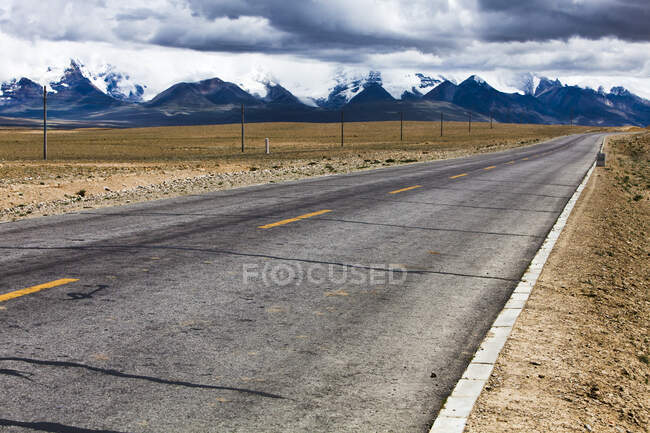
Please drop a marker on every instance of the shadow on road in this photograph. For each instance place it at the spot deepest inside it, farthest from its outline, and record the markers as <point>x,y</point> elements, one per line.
<point>67,364</point>
<point>52,427</point>
<point>16,373</point>
<point>76,296</point>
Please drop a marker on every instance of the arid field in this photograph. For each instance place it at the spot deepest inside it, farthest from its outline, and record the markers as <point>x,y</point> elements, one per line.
<point>288,140</point>
<point>102,165</point>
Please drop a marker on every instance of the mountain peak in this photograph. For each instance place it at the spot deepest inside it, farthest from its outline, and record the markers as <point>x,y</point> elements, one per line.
<point>276,94</point>
<point>545,84</point>
<point>475,80</point>
<point>620,91</point>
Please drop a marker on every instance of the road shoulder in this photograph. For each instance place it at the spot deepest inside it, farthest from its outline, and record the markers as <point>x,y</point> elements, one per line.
<point>577,358</point>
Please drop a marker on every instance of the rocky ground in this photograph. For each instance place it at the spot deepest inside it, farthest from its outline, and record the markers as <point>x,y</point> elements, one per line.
<point>577,359</point>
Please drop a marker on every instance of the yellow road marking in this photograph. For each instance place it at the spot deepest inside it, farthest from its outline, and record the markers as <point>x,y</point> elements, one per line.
<point>490,167</point>
<point>458,175</point>
<point>524,159</point>
<point>405,189</point>
<point>34,289</point>
<point>510,162</point>
<point>298,218</point>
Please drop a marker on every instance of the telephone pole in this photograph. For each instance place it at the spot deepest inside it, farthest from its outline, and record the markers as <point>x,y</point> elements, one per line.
<point>342,121</point>
<point>242,128</point>
<point>45,123</point>
<point>469,127</point>
<point>441,123</point>
<point>490,119</point>
<point>401,126</point>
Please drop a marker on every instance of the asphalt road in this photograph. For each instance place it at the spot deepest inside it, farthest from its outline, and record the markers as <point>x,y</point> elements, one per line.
<point>188,316</point>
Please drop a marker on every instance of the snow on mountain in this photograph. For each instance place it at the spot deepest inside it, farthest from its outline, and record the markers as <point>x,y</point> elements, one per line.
<point>477,79</point>
<point>412,86</point>
<point>265,87</point>
<point>527,83</point>
<point>105,77</point>
<point>119,85</point>
<point>348,85</point>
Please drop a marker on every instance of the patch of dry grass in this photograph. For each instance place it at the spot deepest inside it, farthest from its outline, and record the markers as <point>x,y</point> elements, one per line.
<point>288,140</point>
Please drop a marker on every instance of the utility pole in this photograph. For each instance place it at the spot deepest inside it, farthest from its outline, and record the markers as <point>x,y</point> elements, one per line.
<point>469,127</point>
<point>490,119</point>
<point>441,123</point>
<point>342,121</point>
<point>45,123</point>
<point>571,117</point>
<point>242,128</point>
<point>401,126</point>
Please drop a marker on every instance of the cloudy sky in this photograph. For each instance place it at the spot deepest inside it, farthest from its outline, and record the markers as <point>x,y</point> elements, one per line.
<point>305,44</point>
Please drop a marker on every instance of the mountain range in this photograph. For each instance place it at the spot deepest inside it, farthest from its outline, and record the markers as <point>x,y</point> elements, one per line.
<point>79,98</point>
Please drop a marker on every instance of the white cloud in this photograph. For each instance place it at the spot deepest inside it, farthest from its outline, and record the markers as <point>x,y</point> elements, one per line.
<point>161,42</point>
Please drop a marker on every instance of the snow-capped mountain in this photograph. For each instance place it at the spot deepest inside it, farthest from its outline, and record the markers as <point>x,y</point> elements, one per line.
<point>347,87</point>
<point>121,86</point>
<point>534,85</point>
<point>19,90</point>
<point>419,84</point>
<point>106,94</point>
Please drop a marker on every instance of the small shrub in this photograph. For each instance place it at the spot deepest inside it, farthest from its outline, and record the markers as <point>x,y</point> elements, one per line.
<point>81,193</point>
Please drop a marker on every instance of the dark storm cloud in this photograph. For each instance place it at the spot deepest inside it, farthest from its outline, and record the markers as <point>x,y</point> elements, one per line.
<point>333,30</point>
<point>505,20</point>
<point>310,25</point>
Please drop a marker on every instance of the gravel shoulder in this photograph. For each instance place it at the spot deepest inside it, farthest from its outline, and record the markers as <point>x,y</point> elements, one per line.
<point>577,359</point>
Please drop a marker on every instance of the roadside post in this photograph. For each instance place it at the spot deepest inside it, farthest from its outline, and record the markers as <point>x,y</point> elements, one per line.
<point>268,147</point>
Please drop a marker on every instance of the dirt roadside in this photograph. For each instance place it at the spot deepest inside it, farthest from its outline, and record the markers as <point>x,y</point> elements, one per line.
<point>577,358</point>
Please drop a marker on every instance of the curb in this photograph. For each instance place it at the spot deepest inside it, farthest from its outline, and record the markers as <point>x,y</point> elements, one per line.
<point>453,416</point>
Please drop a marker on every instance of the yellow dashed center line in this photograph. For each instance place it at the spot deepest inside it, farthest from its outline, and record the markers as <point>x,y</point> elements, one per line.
<point>298,218</point>
<point>490,167</point>
<point>405,189</point>
<point>510,162</point>
<point>34,289</point>
<point>457,176</point>
<point>524,159</point>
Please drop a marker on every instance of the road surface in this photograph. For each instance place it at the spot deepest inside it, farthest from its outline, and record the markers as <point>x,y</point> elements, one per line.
<point>341,303</point>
